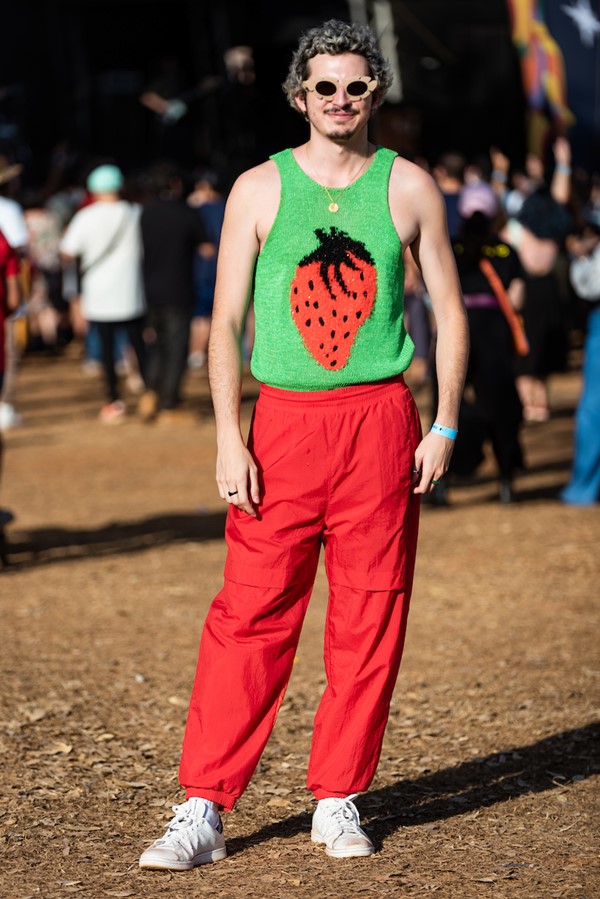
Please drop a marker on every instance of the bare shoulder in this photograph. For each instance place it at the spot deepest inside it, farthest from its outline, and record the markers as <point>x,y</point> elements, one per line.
<point>257,178</point>
<point>256,194</point>
<point>256,185</point>
<point>408,181</point>
<point>415,200</point>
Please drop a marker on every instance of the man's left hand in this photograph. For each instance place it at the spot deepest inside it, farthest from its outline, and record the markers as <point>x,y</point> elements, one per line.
<point>432,458</point>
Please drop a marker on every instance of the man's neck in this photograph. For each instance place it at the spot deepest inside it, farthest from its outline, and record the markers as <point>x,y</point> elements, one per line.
<point>106,198</point>
<point>330,161</point>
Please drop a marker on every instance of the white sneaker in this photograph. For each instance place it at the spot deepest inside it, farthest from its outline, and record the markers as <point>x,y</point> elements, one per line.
<point>9,418</point>
<point>190,839</point>
<point>336,823</point>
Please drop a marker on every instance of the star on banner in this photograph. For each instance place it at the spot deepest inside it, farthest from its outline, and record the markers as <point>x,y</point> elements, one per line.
<point>585,19</point>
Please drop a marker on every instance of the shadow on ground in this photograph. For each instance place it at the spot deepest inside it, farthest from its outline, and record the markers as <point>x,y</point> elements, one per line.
<point>549,764</point>
<point>47,546</point>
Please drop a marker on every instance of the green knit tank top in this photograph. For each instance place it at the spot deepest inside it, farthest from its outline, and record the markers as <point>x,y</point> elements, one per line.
<point>329,287</point>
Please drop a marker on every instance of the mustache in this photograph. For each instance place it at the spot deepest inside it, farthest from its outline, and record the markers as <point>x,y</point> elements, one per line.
<point>346,107</point>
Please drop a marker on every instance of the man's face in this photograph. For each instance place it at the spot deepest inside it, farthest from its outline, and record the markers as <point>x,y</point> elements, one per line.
<point>340,116</point>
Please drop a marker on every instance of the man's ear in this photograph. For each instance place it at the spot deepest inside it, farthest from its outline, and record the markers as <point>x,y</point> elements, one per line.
<point>300,101</point>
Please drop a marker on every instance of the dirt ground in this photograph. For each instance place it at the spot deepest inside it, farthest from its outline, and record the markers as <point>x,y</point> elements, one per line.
<point>489,774</point>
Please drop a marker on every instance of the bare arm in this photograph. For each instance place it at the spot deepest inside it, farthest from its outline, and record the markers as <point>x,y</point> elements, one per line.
<point>560,187</point>
<point>433,254</point>
<point>236,470</point>
<point>500,170</point>
<point>13,292</point>
<point>516,293</point>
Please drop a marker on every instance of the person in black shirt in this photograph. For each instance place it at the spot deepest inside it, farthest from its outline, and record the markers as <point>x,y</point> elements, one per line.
<point>172,235</point>
<point>496,413</point>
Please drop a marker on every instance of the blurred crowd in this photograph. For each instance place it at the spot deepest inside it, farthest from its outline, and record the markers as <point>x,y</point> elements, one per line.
<point>527,247</point>
<point>121,271</point>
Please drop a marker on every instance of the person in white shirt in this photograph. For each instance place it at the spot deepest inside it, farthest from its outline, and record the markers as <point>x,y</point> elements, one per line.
<point>14,228</point>
<point>106,239</point>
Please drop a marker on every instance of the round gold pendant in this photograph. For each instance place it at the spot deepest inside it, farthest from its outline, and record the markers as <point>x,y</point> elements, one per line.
<point>333,207</point>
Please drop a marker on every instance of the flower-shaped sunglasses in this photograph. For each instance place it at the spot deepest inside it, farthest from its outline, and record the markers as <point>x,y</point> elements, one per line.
<point>358,87</point>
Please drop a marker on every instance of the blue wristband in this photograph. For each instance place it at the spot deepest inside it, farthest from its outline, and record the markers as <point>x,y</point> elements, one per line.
<point>450,433</point>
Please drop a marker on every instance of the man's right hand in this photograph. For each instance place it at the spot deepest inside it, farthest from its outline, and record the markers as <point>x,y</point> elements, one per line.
<point>237,477</point>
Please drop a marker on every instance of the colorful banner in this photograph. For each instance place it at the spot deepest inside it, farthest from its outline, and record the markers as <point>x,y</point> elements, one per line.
<point>542,72</point>
<point>558,42</point>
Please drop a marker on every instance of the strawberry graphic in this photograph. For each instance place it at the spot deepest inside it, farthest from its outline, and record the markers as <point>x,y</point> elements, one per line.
<point>332,295</point>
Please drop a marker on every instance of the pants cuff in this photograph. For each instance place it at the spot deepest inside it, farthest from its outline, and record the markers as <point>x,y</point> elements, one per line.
<point>330,794</point>
<point>225,800</point>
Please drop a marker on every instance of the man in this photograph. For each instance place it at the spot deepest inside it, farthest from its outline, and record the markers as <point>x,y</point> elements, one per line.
<point>449,174</point>
<point>172,235</point>
<point>106,238</point>
<point>335,455</point>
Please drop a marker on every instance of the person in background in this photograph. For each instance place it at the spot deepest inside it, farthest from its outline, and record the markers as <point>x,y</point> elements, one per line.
<point>449,173</point>
<point>496,413</point>
<point>208,200</point>
<point>417,323</point>
<point>105,236</point>
<point>10,298</point>
<point>583,488</point>
<point>537,233</point>
<point>173,235</point>
<point>47,309</point>
<point>14,229</point>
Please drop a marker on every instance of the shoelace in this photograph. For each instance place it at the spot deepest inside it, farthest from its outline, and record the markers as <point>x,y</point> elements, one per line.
<point>182,819</point>
<point>345,816</point>
<point>182,816</point>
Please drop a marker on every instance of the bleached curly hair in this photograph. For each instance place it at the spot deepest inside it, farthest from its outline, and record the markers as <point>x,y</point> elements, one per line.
<point>334,38</point>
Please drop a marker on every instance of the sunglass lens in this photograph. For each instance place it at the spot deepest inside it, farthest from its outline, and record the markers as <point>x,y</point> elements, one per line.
<point>357,89</point>
<point>325,88</point>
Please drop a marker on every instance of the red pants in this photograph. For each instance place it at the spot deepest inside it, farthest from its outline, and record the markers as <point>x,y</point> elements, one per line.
<point>335,468</point>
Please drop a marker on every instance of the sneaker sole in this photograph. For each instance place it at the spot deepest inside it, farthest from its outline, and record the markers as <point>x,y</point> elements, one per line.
<point>343,853</point>
<point>215,855</point>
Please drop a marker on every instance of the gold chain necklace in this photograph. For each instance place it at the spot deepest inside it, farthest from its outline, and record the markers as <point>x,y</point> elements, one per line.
<point>333,206</point>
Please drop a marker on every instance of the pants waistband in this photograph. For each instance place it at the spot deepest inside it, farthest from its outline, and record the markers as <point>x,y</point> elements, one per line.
<point>273,396</point>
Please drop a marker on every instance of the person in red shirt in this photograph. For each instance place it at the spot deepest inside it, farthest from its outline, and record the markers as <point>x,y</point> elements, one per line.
<point>10,297</point>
